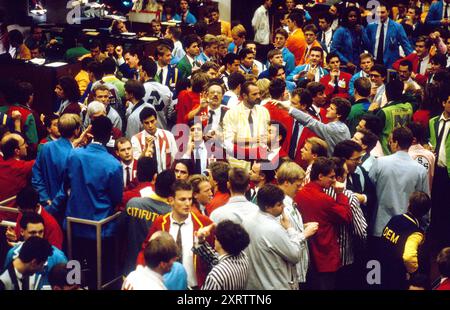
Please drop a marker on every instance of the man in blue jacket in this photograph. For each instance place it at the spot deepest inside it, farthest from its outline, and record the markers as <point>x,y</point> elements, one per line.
<point>95,180</point>
<point>48,170</point>
<point>385,37</point>
<point>438,15</point>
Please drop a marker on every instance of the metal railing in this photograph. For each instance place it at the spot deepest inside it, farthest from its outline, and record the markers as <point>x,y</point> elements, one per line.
<point>98,238</point>
<point>8,210</point>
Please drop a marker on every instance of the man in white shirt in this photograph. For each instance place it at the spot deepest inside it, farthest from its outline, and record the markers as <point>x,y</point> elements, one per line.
<point>157,94</point>
<point>248,122</point>
<point>160,254</point>
<point>261,26</point>
<point>231,97</point>
<point>154,142</point>
<point>238,207</point>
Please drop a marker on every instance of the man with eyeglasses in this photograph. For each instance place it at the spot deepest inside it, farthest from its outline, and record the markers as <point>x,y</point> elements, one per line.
<point>316,206</point>
<point>377,76</point>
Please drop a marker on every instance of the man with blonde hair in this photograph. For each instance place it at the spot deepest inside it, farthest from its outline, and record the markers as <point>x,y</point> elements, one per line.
<point>210,46</point>
<point>314,147</point>
<point>160,255</point>
<point>238,34</point>
<point>290,177</point>
<point>51,161</point>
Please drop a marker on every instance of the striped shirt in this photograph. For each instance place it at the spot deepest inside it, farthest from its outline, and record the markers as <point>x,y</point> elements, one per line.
<point>348,234</point>
<point>229,272</point>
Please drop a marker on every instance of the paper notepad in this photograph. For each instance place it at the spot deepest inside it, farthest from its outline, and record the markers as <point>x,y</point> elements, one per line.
<point>56,64</point>
<point>149,39</point>
<point>92,33</point>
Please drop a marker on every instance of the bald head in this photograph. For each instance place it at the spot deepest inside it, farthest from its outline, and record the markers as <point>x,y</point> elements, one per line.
<point>13,146</point>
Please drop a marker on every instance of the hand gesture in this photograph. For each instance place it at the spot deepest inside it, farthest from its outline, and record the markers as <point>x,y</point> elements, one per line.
<point>84,138</point>
<point>119,51</point>
<point>16,115</point>
<point>311,75</point>
<point>204,232</point>
<point>339,187</point>
<point>285,222</point>
<point>310,229</point>
<point>255,70</point>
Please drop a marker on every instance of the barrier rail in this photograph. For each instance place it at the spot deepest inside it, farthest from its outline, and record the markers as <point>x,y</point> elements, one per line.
<point>98,238</point>
<point>9,210</point>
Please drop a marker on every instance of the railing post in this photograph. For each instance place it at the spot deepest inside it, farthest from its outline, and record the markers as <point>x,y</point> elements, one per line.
<point>98,228</point>
<point>69,238</point>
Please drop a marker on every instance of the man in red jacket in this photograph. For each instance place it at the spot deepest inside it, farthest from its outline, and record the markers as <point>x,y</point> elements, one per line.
<point>27,201</point>
<point>182,224</point>
<point>15,173</point>
<point>337,82</point>
<point>315,206</point>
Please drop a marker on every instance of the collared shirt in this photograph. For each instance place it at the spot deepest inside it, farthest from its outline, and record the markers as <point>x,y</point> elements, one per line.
<point>130,166</point>
<point>215,117</point>
<point>230,99</point>
<point>328,35</point>
<point>165,71</point>
<point>424,157</point>
<point>203,152</point>
<point>236,124</point>
<point>236,209</point>
<point>177,52</point>
<point>386,23</point>
<point>261,25</point>
<point>143,278</point>
<point>187,237</point>
<point>191,60</point>
<point>442,152</point>
<point>424,64</point>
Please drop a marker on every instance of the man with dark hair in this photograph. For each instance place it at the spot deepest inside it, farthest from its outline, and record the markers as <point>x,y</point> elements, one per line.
<point>260,174</point>
<point>274,242</point>
<point>142,212</point>
<point>332,132</point>
<point>235,81</point>
<point>218,177</point>
<point>404,72</point>
<point>420,154</point>
<point>157,94</point>
<point>279,42</point>
<point>51,161</point>
<point>336,82</point>
<point>231,62</point>
<point>399,247</point>
<point>378,76</point>
<point>160,255</point>
<point>134,94</point>
<point>247,59</point>
<point>33,225</point>
<point>395,113</point>
<point>296,42</point>
<point>238,207</point>
<point>443,261</point>
<point>312,71</point>
<point>396,177</point>
<point>95,179</point>
<point>367,140</point>
<point>20,274</point>
<point>358,180</point>
<point>144,183</point>
<point>182,223</point>
<point>154,142</point>
<point>188,64</point>
<point>128,64</point>
<point>316,206</point>
<point>246,123</point>
<point>51,124</point>
<point>27,201</point>
<point>361,103</point>
<point>325,35</point>
<point>228,261</point>
<point>439,127</point>
<point>385,36</point>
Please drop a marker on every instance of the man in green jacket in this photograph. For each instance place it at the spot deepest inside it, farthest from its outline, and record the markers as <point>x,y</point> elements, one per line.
<point>440,140</point>
<point>188,63</point>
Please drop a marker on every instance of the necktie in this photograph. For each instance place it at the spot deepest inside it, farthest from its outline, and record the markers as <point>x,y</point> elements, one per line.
<point>210,119</point>
<point>250,122</point>
<point>380,50</point>
<point>179,242</point>
<point>323,37</point>
<point>446,10</point>
<point>25,283</point>
<point>419,65</point>
<point>336,85</point>
<point>440,138</point>
<point>198,165</point>
<point>127,176</point>
<point>294,138</point>
<point>160,75</point>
